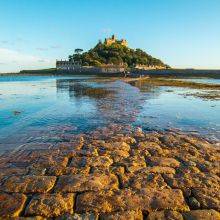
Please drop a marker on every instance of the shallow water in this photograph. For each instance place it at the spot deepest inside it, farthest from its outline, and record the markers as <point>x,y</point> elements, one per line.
<point>45,109</point>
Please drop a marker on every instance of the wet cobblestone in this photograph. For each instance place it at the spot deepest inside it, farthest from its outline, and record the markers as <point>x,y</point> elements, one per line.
<point>113,173</point>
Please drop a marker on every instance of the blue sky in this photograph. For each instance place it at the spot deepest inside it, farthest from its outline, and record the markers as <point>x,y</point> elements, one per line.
<point>183,33</point>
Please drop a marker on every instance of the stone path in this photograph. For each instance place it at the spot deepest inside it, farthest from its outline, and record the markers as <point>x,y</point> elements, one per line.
<point>113,173</point>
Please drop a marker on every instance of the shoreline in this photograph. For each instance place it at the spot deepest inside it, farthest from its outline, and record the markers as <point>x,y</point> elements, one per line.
<point>111,172</point>
<point>196,73</point>
<point>156,80</point>
<point>159,81</point>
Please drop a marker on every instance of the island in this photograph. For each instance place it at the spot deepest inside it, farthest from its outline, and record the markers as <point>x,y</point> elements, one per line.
<point>111,56</point>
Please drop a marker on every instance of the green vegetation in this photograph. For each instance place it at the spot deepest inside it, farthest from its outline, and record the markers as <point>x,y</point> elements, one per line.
<point>116,54</point>
<point>41,71</point>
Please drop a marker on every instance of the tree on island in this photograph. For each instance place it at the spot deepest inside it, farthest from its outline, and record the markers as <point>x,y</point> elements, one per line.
<point>78,50</point>
<point>76,57</point>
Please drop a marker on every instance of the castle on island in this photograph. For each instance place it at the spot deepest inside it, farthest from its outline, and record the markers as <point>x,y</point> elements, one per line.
<point>113,39</point>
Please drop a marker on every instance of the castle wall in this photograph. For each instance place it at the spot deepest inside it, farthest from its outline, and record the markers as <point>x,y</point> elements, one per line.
<point>72,67</point>
<point>67,65</point>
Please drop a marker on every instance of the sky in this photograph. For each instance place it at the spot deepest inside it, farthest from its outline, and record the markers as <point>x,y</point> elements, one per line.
<point>182,33</point>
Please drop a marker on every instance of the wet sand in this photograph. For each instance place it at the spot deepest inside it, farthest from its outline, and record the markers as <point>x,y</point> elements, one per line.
<point>177,83</point>
<point>116,172</point>
<point>161,81</point>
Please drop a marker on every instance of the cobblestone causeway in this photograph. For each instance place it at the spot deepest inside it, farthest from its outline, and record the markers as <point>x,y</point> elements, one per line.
<point>113,173</point>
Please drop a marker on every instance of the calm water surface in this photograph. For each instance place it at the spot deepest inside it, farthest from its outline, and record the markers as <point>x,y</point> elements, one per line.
<point>45,109</point>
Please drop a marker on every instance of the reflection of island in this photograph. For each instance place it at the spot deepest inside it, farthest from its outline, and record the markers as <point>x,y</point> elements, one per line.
<point>81,90</point>
<point>115,101</point>
<point>78,90</point>
<point>145,87</point>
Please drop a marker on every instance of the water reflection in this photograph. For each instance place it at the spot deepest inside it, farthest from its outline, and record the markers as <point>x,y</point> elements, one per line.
<point>79,90</point>
<point>115,102</point>
<point>143,86</point>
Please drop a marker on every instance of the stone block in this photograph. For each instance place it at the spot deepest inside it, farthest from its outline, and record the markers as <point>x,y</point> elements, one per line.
<point>11,205</point>
<point>50,205</point>
<point>142,180</point>
<point>202,215</point>
<point>165,215</point>
<point>80,182</point>
<point>192,180</point>
<point>29,184</point>
<point>125,200</point>
<point>209,198</point>
<point>163,162</point>
<point>124,215</point>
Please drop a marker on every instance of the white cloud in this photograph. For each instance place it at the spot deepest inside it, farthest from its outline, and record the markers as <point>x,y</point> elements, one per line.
<point>21,40</point>
<point>41,48</point>
<point>51,47</point>
<point>106,30</point>
<point>55,47</point>
<point>4,42</point>
<point>41,61</point>
<point>14,61</point>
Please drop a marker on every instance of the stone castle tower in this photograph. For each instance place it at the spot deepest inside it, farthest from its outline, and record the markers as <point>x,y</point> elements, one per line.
<point>113,39</point>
